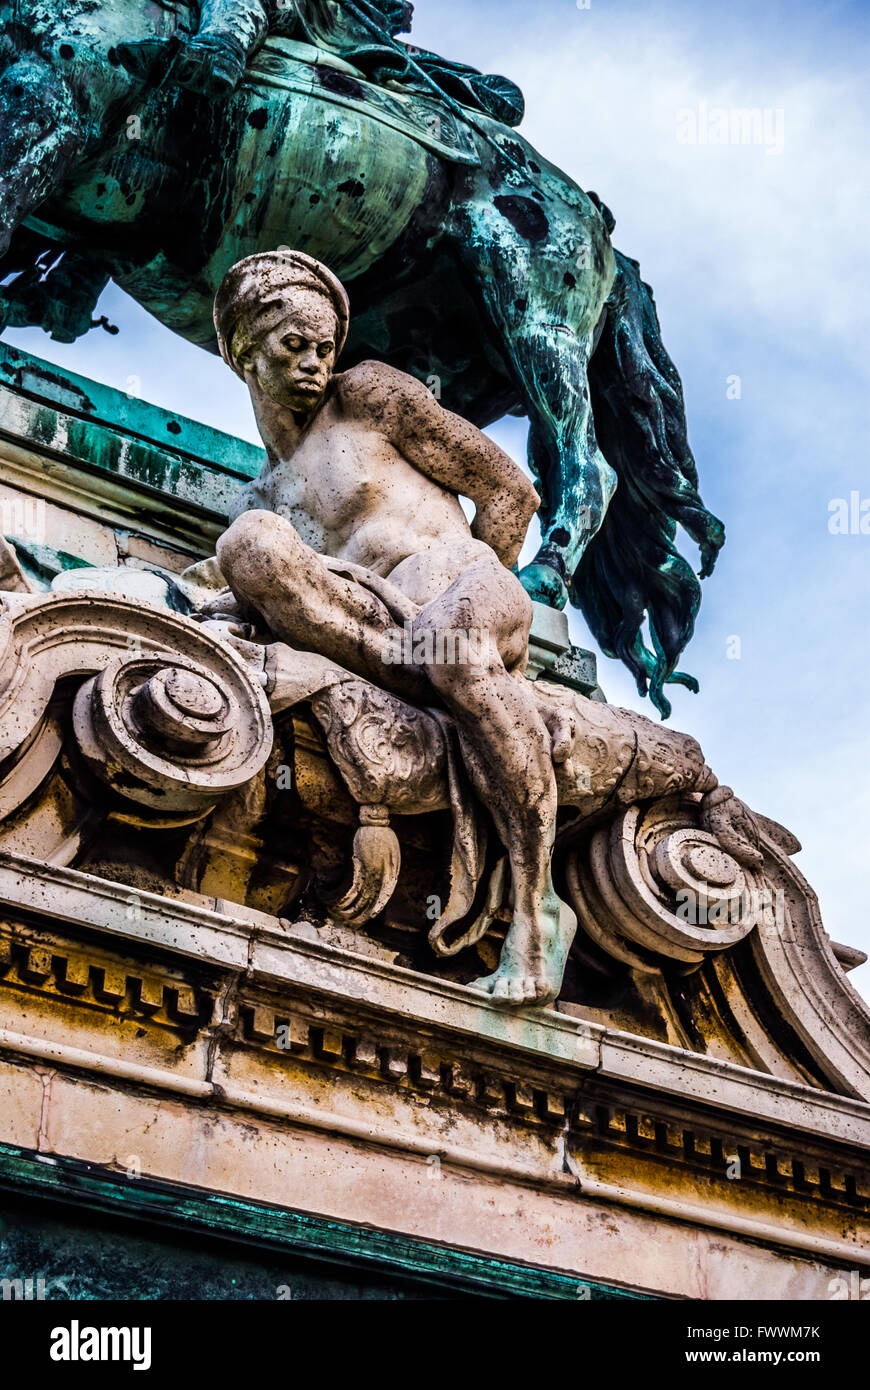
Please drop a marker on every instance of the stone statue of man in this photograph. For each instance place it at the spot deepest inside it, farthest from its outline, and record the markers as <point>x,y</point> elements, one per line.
<point>354,532</point>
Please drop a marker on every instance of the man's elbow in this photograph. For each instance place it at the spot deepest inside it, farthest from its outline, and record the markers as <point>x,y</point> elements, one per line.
<point>527,500</point>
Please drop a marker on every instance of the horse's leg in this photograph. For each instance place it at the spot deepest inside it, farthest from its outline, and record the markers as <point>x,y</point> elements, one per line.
<point>41,134</point>
<point>544,286</point>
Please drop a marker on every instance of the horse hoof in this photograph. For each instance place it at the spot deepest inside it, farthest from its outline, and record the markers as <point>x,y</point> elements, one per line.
<point>544,585</point>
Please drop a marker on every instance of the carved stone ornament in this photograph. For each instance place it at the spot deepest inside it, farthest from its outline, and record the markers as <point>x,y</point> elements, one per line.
<point>166,716</point>
<point>653,883</point>
<point>171,719</point>
<point>116,713</point>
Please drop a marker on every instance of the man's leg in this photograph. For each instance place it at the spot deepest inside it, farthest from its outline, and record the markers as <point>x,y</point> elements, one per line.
<point>506,746</point>
<point>507,750</point>
<point>213,60</point>
<point>270,568</point>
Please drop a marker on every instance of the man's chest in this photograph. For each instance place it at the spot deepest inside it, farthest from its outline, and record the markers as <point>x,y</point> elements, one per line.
<point>337,471</point>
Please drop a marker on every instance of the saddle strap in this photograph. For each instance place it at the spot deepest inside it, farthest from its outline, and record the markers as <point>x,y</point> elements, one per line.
<point>292,65</point>
<point>316,57</point>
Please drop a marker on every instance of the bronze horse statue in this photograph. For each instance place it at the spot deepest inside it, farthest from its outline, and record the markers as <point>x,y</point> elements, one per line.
<point>472,263</point>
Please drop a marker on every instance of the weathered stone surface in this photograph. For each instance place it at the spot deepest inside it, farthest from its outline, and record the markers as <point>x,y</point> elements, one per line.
<point>352,543</point>
<point>176,721</point>
<point>536,1139</point>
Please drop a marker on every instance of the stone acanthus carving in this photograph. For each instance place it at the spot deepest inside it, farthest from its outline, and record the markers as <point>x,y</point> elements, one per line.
<point>630,882</point>
<point>388,752</point>
<point>170,718</point>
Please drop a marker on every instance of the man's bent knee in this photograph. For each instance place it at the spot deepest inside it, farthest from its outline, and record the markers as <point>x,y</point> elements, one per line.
<point>255,549</point>
<point>240,544</point>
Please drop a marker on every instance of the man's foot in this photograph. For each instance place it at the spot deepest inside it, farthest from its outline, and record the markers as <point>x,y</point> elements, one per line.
<point>561,725</point>
<point>533,957</point>
<point>214,67</point>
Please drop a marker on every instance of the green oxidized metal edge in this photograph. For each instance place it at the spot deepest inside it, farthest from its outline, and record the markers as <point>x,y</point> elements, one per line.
<point>194,1210</point>
<point>90,401</point>
<point>290,66</point>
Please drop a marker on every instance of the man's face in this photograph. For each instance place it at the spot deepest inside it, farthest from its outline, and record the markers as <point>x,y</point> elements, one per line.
<point>294,361</point>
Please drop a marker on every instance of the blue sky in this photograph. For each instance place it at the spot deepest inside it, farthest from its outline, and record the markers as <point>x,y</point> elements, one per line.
<point>761,264</point>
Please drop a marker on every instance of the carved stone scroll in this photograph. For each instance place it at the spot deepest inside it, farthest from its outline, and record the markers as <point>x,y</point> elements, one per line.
<point>169,732</point>
<point>653,887</point>
<point>167,716</point>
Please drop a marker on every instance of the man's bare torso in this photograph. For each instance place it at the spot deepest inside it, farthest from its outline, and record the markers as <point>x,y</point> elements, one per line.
<point>352,495</point>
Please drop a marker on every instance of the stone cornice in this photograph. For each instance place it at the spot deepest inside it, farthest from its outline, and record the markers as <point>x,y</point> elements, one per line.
<point>93,450</point>
<point>268,954</point>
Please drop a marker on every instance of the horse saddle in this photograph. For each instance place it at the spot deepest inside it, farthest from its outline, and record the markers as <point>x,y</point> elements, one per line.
<point>302,67</point>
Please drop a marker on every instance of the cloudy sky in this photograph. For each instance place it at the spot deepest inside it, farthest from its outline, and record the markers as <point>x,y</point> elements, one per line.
<point>760,258</point>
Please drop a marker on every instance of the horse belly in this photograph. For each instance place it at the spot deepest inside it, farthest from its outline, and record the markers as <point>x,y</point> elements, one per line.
<point>210,184</point>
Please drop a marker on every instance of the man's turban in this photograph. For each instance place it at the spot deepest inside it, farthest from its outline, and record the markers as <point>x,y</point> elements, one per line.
<point>254,293</point>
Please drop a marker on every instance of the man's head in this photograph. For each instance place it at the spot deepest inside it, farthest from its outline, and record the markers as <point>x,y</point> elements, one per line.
<point>281,319</point>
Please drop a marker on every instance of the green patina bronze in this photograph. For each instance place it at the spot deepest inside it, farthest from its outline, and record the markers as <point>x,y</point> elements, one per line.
<point>120,1248</point>
<point>130,149</point>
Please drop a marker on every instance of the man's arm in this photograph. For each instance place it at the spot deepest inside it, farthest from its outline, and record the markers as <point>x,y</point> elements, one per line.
<point>254,496</point>
<point>449,450</point>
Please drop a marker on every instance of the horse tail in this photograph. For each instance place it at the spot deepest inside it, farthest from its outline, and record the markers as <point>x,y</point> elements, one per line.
<point>632,568</point>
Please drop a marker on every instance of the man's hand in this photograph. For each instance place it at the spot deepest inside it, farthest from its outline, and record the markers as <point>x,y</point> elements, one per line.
<point>502,519</point>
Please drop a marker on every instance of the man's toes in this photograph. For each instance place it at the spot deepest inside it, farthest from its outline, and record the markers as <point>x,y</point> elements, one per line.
<point>515,990</point>
<point>544,992</point>
<point>484,985</point>
<point>564,737</point>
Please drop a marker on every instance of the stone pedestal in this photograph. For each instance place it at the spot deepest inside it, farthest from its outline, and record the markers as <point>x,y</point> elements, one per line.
<point>552,654</point>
